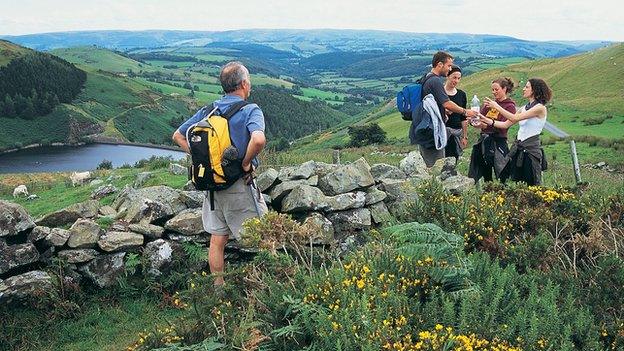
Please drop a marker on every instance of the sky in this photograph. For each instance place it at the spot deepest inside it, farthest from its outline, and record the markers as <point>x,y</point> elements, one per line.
<point>524,19</point>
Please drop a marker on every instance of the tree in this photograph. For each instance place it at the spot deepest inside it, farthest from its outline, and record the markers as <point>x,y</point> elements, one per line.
<point>29,110</point>
<point>365,135</point>
<point>9,107</point>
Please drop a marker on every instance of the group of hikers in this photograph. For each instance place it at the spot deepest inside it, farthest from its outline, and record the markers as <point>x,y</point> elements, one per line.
<point>525,160</point>
<point>225,138</point>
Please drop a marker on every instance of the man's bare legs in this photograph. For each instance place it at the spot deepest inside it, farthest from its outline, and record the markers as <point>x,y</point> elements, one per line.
<point>215,257</point>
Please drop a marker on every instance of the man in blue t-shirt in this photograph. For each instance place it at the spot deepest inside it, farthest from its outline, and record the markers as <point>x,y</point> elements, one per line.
<point>241,201</point>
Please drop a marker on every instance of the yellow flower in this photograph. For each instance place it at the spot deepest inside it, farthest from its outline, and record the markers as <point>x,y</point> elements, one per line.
<point>360,283</point>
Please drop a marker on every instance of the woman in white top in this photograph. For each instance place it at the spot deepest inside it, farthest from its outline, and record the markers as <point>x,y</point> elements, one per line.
<point>525,160</point>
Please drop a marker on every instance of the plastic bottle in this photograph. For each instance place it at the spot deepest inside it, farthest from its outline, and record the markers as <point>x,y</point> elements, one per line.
<point>475,105</point>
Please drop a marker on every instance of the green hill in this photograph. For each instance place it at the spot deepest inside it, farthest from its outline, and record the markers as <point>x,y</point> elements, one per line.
<point>10,51</point>
<point>586,89</point>
<point>102,107</point>
<point>103,59</point>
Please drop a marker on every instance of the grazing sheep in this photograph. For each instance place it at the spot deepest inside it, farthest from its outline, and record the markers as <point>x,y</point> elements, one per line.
<point>20,190</point>
<point>79,178</point>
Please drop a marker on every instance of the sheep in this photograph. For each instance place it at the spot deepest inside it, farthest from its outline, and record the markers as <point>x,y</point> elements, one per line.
<point>20,190</point>
<point>79,178</point>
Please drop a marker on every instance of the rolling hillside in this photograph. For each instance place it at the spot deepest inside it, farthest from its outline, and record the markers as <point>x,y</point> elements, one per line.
<point>105,97</point>
<point>127,100</point>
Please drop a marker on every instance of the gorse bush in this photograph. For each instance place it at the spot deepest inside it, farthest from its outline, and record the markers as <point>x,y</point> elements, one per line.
<point>524,309</point>
<point>502,218</point>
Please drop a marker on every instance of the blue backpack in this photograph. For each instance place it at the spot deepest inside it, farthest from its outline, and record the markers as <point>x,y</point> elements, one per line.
<point>410,98</point>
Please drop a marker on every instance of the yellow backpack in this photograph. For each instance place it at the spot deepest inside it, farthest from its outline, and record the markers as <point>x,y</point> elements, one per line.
<point>216,165</point>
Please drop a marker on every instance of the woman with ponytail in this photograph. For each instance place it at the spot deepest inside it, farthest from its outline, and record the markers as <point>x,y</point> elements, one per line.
<point>525,161</point>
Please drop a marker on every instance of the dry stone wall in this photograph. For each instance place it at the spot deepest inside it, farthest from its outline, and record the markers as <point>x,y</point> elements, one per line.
<point>154,222</point>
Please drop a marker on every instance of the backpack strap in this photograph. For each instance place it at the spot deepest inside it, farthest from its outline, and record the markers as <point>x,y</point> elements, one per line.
<point>422,81</point>
<point>234,108</point>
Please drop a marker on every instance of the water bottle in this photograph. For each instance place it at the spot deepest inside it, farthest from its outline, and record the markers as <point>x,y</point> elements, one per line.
<point>475,105</point>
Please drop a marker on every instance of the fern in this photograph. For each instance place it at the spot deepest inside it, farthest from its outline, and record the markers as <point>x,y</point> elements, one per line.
<point>418,241</point>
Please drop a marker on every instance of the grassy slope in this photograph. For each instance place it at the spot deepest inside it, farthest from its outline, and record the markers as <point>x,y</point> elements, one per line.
<point>10,51</point>
<point>103,59</point>
<point>584,86</point>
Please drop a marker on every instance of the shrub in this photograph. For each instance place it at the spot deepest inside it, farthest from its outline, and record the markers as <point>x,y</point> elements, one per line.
<point>105,164</point>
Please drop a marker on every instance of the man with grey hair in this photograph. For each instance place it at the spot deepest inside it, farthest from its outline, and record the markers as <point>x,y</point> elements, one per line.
<point>223,218</point>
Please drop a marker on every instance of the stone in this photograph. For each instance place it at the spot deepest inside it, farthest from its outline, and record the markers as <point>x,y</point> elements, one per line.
<point>57,237</point>
<point>141,178</point>
<point>118,241</point>
<point>346,201</point>
<point>177,169</point>
<point>47,255</point>
<point>119,226</point>
<point>32,197</point>
<point>181,238</point>
<point>413,164</point>
<point>266,179</point>
<point>304,171</point>
<point>325,234</point>
<point>284,173</point>
<point>108,211</point>
<point>146,210</point>
<point>152,204</point>
<point>385,171</point>
<point>85,234</point>
<point>77,256</point>
<point>350,221</point>
<point>158,256</point>
<point>14,256</point>
<point>87,209</point>
<point>103,191</point>
<point>25,285</point>
<point>96,182</point>
<point>379,213</point>
<point>347,178</point>
<point>284,188</point>
<point>267,199</point>
<point>38,233</point>
<point>458,184</point>
<point>313,180</point>
<point>193,199</point>
<point>444,168</point>
<point>321,169</point>
<point>400,194</point>
<point>374,195</point>
<point>148,230</point>
<point>304,198</point>
<point>14,219</point>
<point>188,222</point>
<point>104,270</point>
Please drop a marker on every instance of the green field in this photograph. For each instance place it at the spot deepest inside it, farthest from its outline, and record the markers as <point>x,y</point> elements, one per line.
<point>102,59</point>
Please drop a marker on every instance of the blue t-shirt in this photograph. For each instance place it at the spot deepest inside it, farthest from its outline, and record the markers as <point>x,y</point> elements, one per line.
<point>249,119</point>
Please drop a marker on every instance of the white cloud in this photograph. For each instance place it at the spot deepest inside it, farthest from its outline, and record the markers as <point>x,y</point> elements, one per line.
<point>527,19</point>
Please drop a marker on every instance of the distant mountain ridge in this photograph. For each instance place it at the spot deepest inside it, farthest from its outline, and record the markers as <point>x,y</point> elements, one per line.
<point>310,42</point>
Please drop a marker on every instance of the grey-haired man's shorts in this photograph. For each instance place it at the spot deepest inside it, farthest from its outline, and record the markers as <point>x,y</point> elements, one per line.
<point>232,207</point>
